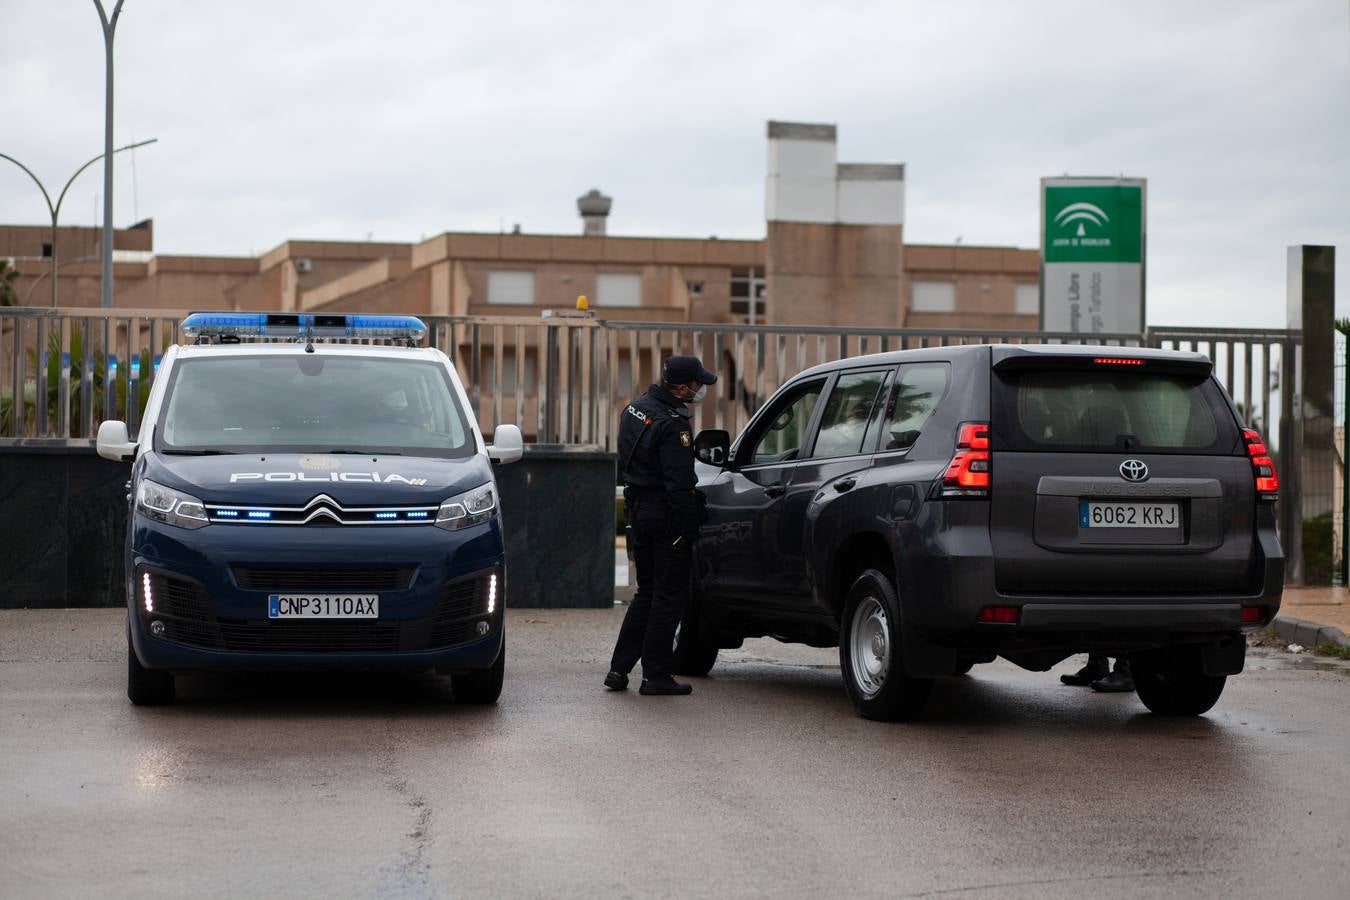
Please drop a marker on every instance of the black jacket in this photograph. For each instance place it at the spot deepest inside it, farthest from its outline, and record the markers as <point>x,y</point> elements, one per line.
<point>656,451</point>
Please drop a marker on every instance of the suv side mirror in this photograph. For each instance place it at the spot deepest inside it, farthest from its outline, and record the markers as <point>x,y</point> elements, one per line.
<point>114,443</point>
<point>507,445</point>
<point>713,446</point>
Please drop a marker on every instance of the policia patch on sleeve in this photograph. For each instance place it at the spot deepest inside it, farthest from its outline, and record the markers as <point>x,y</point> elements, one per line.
<point>684,438</point>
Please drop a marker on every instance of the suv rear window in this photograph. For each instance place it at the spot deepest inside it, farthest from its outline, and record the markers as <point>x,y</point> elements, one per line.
<point>1100,411</point>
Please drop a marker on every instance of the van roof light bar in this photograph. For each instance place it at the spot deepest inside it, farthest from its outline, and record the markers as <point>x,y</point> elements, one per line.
<point>208,327</point>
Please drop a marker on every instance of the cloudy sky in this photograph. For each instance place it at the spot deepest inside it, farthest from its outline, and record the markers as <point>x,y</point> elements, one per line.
<point>400,119</point>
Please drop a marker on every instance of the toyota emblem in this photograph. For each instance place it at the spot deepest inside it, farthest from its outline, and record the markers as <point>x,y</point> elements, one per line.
<point>1133,470</point>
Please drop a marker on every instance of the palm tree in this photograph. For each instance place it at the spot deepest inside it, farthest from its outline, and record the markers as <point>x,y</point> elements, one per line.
<point>8,274</point>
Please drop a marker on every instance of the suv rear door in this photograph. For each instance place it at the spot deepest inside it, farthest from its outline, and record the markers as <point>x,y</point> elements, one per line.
<point>841,446</point>
<point>1118,476</point>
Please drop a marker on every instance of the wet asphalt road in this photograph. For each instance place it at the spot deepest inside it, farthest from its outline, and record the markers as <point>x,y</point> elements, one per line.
<point>762,783</point>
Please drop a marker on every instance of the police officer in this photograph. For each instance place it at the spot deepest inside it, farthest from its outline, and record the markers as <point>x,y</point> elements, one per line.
<point>656,453</point>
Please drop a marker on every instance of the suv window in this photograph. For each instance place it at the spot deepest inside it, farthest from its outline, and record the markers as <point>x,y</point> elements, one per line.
<point>913,401</point>
<point>1112,411</point>
<point>848,412</point>
<point>785,425</point>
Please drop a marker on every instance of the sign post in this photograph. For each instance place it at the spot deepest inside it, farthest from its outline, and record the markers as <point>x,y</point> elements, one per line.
<point>1092,255</point>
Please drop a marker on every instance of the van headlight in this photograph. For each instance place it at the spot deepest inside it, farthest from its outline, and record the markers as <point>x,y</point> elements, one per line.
<point>469,508</point>
<point>164,504</point>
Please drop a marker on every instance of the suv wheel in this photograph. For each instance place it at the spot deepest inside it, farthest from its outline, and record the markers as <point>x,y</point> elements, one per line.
<point>1171,682</point>
<point>693,655</point>
<point>481,688</point>
<point>869,653</point>
<point>146,687</point>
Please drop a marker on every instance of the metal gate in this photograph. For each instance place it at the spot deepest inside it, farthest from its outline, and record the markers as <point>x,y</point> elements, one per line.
<point>563,379</point>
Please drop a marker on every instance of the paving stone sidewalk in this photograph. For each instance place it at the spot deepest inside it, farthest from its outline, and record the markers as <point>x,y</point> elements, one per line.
<point>1314,616</point>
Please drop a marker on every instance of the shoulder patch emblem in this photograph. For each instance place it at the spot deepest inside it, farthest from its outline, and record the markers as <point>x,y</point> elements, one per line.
<point>684,438</point>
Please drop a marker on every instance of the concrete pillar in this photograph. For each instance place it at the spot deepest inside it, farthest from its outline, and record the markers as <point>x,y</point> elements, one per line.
<point>1307,448</point>
<point>833,254</point>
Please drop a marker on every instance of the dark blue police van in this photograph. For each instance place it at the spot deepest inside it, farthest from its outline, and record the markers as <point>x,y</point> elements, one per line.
<point>296,502</point>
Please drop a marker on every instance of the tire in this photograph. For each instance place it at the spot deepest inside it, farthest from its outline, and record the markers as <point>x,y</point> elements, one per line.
<point>693,655</point>
<point>146,687</point>
<point>481,688</point>
<point>1172,683</point>
<point>869,653</point>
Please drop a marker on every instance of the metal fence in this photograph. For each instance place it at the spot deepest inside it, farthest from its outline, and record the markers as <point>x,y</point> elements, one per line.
<point>564,379</point>
<point>1340,382</point>
<point>561,379</point>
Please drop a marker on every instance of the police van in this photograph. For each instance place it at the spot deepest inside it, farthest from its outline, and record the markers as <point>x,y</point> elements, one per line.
<point>301,499</point>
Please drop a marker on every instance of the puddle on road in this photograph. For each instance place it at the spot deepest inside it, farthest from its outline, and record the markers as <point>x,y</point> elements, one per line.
<point>1263,659</point>
<point>1270,659</point>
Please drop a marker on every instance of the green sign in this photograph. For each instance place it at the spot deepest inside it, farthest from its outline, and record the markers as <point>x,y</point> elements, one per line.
<point>1094,224</point>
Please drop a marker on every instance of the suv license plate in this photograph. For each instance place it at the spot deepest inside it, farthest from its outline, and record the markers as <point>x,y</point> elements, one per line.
<point>323,606</point>
<point>1092,514</point>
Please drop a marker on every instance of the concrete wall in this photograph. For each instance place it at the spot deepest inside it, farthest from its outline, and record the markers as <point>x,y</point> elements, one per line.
<point>63,528</point>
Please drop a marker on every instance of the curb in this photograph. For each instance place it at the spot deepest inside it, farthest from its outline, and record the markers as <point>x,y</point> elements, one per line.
<point>1309,634</point>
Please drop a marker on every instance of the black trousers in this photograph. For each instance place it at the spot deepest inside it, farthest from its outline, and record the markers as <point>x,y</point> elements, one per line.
<point>1101,660</point>
<point>662,558</point>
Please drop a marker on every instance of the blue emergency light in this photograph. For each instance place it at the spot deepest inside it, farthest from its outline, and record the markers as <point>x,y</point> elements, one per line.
<point>232,327</point>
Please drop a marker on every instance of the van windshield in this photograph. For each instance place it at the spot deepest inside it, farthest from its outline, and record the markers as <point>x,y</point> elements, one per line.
<point>1112,411</point>
<point>313,403</point>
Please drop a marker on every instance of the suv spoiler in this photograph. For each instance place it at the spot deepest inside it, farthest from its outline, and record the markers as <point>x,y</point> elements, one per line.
<point>1021,358</point>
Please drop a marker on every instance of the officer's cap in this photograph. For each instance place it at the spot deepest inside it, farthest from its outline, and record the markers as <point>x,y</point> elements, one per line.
<point>686,369</point>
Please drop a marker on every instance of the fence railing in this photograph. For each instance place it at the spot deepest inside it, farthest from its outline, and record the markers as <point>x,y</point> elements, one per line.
<point>563,379</point>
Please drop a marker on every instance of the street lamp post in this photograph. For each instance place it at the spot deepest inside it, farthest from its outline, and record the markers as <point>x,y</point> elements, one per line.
<point>54,209</point>
<point>109,28</point>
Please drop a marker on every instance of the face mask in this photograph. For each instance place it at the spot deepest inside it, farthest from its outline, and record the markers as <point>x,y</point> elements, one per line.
<point>699,394</point>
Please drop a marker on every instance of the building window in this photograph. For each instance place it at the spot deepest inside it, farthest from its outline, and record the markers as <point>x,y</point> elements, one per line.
<point>745,284</point>
<point>46,250</point>
<point>1028,300</point>
<point>933,296</point>
<point>511,288</point>
<point>618,289</point>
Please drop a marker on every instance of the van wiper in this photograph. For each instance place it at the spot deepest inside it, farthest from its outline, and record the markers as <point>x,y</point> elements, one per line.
<point>203,452</point>
<point>362,452</point>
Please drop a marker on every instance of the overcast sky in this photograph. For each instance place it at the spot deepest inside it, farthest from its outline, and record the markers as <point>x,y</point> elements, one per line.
<point>401,119</point>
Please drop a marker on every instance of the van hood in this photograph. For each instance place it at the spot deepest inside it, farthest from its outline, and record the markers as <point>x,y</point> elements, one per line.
<point>296,478</point>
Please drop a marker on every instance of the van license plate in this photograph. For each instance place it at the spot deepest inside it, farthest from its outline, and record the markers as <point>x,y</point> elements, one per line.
<point>1092,514</point>
<point>323,606</point>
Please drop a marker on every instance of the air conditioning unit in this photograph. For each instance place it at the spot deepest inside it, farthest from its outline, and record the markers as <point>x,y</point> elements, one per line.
<point>304,265</point>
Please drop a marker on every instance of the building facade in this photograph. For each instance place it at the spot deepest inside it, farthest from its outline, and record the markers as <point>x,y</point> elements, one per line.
<point>833,254</point>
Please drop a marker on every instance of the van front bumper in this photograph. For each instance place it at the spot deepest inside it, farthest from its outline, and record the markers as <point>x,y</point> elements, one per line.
<point>199,600</point>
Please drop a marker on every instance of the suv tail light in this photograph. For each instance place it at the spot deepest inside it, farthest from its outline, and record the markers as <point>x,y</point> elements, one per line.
<point>1263,468</point>
<point>969,472</point>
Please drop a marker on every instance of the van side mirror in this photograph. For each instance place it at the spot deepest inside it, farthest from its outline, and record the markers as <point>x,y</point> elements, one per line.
<point>507,445</point>
<point>713,446</point>
<point>114,443</point>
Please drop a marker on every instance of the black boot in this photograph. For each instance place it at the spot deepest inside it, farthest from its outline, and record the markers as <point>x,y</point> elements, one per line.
<point>616,681</point>
<point>664,686</point>
<point>1096,669</point>
<point>1120,681</point>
